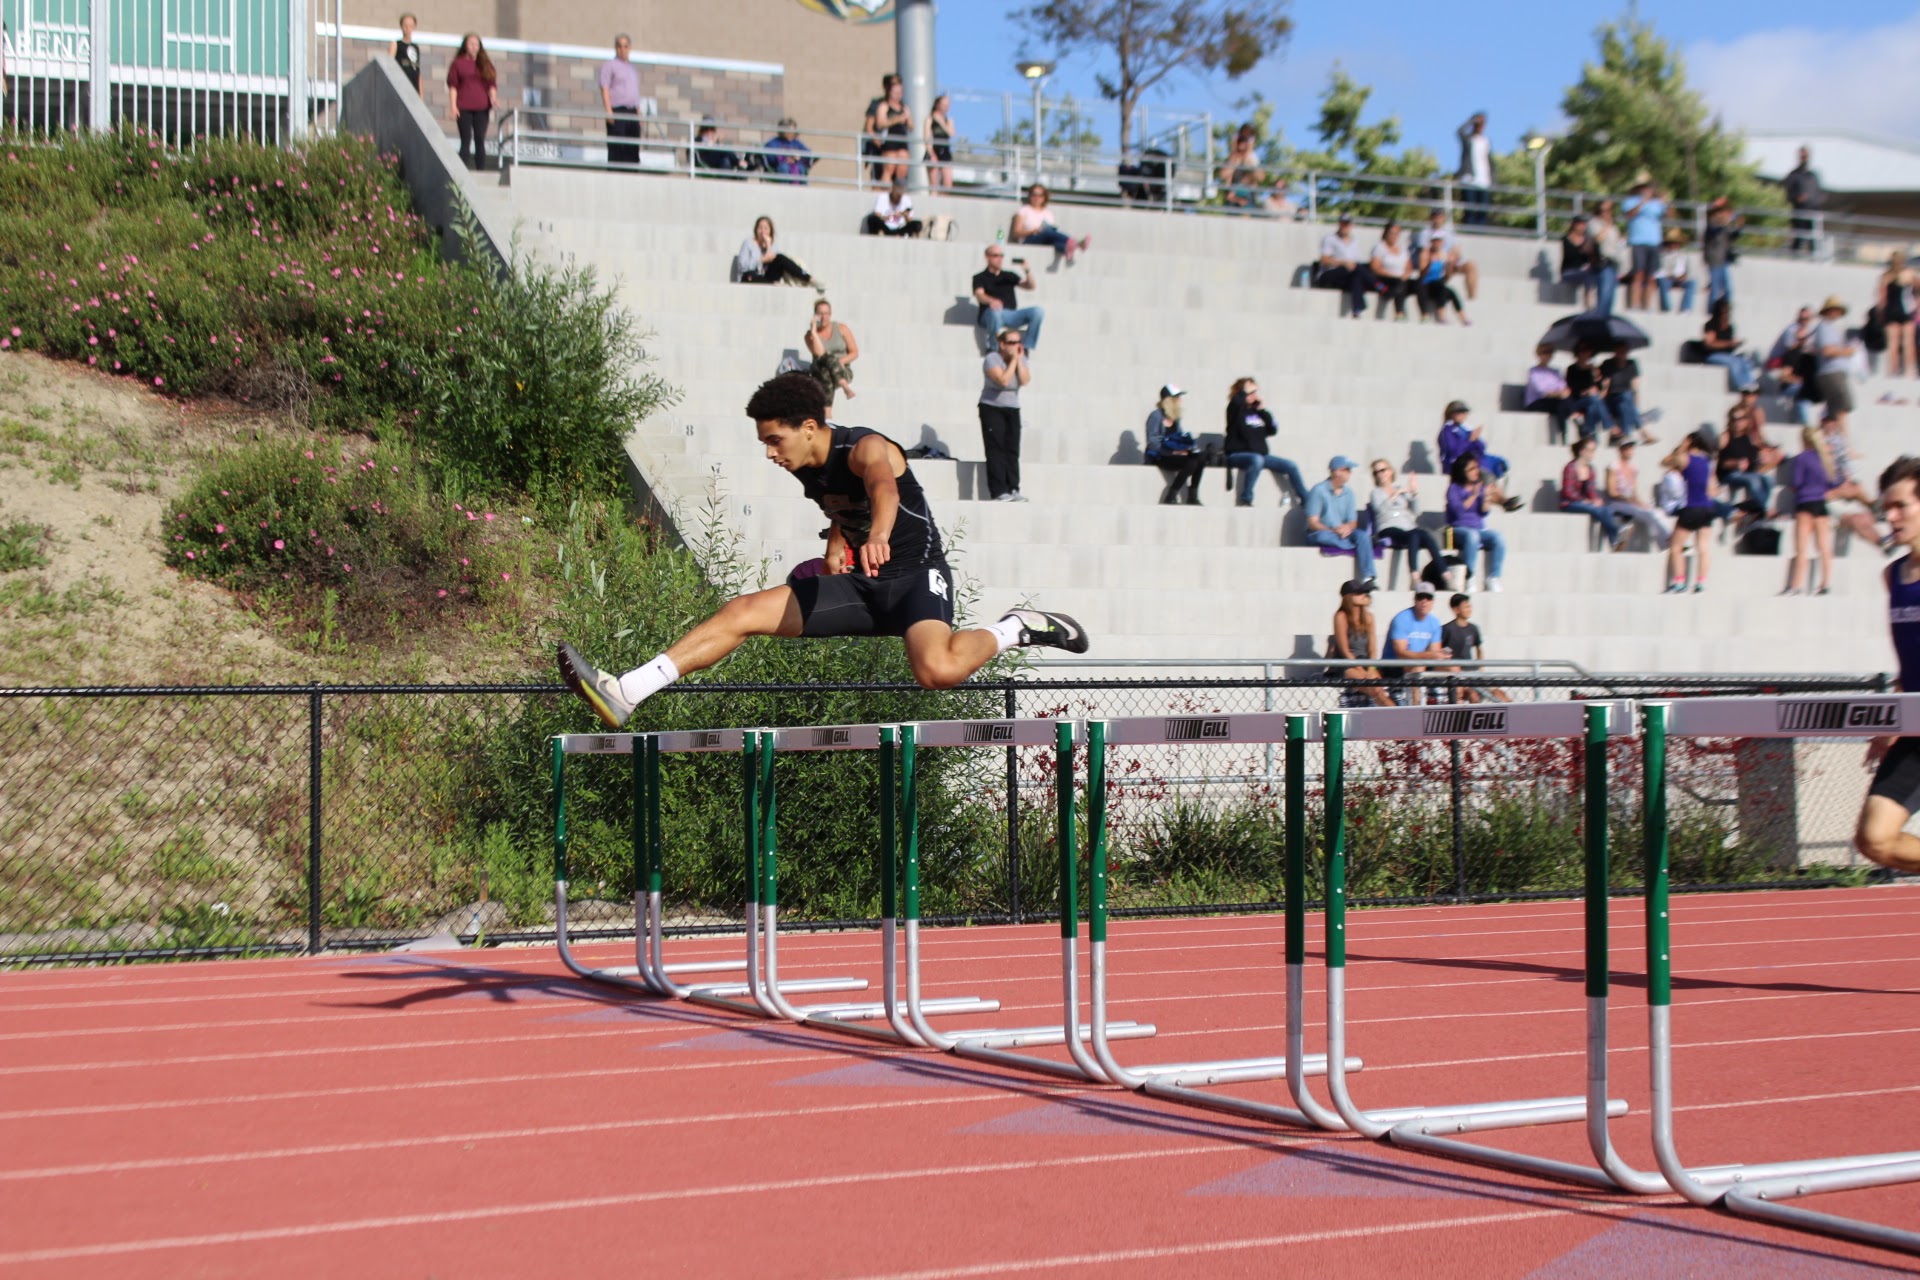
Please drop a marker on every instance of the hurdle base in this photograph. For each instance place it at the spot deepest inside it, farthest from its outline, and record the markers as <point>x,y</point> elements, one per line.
<point>1029,1037</point>
<point>1745,1204</point>
<point>872,1012</point>
<point>800,986</point>
<point>1233,1070</point>
<point>1419,1135</point>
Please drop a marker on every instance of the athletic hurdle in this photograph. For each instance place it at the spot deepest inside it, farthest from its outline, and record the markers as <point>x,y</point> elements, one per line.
<point>1516,720</point>
<point>1754,1191</point>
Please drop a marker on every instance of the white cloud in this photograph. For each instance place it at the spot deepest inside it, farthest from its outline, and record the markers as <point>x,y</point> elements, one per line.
<point>1801,78</point>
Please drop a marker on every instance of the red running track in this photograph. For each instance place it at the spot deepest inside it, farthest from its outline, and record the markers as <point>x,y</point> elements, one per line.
<point>482,1114</point>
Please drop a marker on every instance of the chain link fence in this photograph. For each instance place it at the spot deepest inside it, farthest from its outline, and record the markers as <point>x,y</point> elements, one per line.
<point>169,822</point>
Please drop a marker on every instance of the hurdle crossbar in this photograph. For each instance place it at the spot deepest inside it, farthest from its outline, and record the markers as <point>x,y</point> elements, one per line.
<point>1754,1191</point>
<point>1520,720</point>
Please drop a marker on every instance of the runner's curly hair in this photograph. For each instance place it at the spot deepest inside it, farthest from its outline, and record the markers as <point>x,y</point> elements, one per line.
<point>792,398</point>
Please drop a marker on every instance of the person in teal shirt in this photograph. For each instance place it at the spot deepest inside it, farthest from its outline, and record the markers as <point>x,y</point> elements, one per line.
<point>1333,516</point>
<point>1646,212</point>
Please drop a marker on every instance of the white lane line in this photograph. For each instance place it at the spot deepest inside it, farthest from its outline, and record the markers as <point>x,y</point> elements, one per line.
<point>483,1213</point>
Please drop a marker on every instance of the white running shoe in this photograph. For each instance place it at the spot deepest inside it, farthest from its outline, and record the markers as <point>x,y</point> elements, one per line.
<point>601,691</point>
<point>1048,630</point>
<point>1493,585</point>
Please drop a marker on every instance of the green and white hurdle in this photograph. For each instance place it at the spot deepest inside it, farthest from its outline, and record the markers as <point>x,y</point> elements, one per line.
<point>1754,1191</point>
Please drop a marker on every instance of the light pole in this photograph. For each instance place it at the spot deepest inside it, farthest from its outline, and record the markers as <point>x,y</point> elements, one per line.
<point>1036,73</point>
<point>1539,145</point>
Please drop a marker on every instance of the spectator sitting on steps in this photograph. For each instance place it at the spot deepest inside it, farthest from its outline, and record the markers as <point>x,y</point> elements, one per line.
<point>892,213</point>
<point>1432,266</point>
<point>1458,440</point>
<point>1747,462</point>
<point>1622,373</point>
<point>833,349</point>
<point>1461,639</point>
<point>1393,268</point>
<point>1333,516</point>
<point>788,159</point>
<point>712,157</point>
<point>1674,272</point>
<point>1579,260</point>
<point>1175,452</point>
<point>1586,396</point>
<point>1580,492</point>
<point>1000,309</point>
<point>1249,427</point>
<point>759,262</point>
<point>1414,633</point>
<point>1033,224</point>
<point>1395,506</point>
<point>1351,641</point>
<point>1723,347</point>
<point>1468,498</point>
<point>1439,232</point>
<point>1341,267</point>
<point>1623,498</point>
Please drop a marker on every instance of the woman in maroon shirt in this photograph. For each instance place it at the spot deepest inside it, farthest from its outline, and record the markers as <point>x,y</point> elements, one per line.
<point>1579,494</point>
<point>475,93</point>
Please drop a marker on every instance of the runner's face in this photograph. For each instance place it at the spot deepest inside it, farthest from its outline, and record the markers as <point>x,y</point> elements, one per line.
<point>1901,504</point>
<point>790,446</point>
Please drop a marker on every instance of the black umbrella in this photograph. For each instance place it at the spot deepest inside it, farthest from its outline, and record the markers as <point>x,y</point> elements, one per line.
<point>1604,332</point>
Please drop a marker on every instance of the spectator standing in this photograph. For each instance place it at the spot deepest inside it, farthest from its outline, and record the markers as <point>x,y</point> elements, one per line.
<point>1646,213</point>
<point>476,94</point>
<point>405,53</point>
<point>1746,462</point>
<point>1461,639</point>
<point>1467,499</point>
<point>1834,375</point>
<point>1173,450</point>
<point>787,158</point>
<point>1351,641</point>
<point>1623,497</point>
<point>1611,255</point>
<point>1393,268</point>
<point>1333,516</point>
<point>1723,347</point>
<point>1033,224</point>
<point>1896,305</point>
<point>1586,396</point>
<point>833,348</point>
<point>1006,372</point>
<point>1717,249</point>
<point>1692,459</point>
<point>1622,373</point>
<point>940,147</point>
<point>1580,492</point>
<point>1439,231</point>
<point>1674,273</point>
<point>1341,267</point>
<point>892,212</point>
<point>893,124</point>
<point>1813,479</point>
<point>1414,633</point>
<point>870,131</point>
<point>1457,440</point>
<point>620,96</point>
<point>760,262</point>
<point>1475,174</point>
<point>712,157</point>
<point>995,290</point>
<point>1802,187</point>
<point>1249,427</point>
<point>1394,506</point>
<point>1580,260</point>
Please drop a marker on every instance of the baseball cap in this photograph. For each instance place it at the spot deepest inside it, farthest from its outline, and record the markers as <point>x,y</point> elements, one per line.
<point>1423,594</point>
<point>1458,406</point>
<point>1340,461</point>
<point>1345,218</point>
<point>1169,391</point>
<point>1357,587</point>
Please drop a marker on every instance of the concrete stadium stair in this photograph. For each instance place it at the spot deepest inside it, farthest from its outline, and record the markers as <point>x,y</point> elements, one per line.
<point>1196,301</point>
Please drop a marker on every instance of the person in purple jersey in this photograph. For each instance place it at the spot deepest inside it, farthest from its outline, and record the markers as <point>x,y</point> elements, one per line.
<point>1693,458</point>
<point>885,574</point>
<point>1895,793</point>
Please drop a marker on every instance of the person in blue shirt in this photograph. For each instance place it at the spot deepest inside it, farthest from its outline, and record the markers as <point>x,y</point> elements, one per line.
<point>1895,792</point>
<point>1646,211</point>
<point>1333,516</point>
<point>1458,440</point>
<point>786,157</point>
<point>1413,633</point>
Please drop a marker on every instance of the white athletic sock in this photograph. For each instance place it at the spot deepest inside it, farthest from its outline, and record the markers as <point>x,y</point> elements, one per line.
<point>1005,633</point>
<point>642,683</point>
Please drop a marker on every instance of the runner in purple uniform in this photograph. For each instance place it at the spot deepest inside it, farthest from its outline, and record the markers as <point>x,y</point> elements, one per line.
<point>1895,792</point>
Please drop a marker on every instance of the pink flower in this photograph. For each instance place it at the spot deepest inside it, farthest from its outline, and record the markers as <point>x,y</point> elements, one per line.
<point>279,544</point>
<point>5,343</point>
<point>487,516</point>
<point>506,577</point>
<point>442,593</point>
<point>189,555</point>
<point>463,560</point>
<point>219,528</point>
<point>309,453</point>
<point>159,382</point>
<point>16,331</point>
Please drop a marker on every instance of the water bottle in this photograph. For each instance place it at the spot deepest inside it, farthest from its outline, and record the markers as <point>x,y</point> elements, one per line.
<point>999,235</point>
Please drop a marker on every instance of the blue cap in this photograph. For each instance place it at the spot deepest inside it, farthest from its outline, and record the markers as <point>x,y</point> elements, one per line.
<point>1340,461</point>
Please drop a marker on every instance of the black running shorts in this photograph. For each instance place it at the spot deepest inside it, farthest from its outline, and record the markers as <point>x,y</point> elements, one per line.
<point>1898,778</point>
<point>1695,517</point>
<point>852,604</point>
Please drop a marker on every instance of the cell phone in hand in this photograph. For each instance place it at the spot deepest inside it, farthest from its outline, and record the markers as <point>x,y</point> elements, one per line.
<point>1019,262</point>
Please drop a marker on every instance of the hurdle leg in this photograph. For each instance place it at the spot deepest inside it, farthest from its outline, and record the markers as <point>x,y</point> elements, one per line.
<point>629,978</point>
<point>1752,1191</point>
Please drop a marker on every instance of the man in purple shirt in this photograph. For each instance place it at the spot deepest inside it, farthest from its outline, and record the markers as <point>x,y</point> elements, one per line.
<point>620,96</point>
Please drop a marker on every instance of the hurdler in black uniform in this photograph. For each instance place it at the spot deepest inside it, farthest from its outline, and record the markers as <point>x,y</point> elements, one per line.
<point>885,573</point>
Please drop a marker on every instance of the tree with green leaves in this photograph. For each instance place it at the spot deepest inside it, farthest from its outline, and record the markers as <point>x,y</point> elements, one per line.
<point>1632,111</point>
<point>1145,41</point>
<point>1350,146</point>
<point>1068,128</point>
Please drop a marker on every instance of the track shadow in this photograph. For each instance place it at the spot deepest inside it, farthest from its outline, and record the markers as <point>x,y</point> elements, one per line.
<point>1631,981</point>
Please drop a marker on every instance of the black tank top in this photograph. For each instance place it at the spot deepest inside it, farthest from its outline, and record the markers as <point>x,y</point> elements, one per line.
<point>843,496</point>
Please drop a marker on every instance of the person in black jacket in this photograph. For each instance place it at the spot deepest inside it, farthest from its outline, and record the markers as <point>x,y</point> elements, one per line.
<point>1249,426</point>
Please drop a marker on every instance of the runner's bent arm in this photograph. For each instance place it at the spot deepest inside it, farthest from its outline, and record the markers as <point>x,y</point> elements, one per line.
<point>872,461</point>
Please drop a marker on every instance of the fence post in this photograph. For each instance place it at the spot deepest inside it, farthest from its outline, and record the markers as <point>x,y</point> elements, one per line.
<point>299,51</point>
<point>1013,815</point>
<point>1459,828</point>
<point>100,94</point>
<point>313,820</point>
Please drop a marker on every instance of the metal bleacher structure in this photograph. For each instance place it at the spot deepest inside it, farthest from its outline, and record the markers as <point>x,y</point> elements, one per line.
<point>1196,301</point>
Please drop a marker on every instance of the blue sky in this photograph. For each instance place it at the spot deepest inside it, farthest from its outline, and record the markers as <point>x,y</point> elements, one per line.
<point>1759,62</point>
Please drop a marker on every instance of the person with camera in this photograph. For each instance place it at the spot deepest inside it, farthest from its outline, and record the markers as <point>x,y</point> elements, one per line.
<point>834,349</point>
<point>995,290</point>
<point>1174,451</point>
<point>1006,371</point>
<point>1249,426</point>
